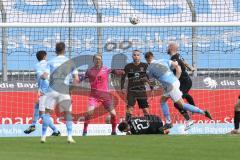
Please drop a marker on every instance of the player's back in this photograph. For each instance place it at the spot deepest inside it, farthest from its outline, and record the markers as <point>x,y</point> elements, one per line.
<point>139,125</point>
<point>145,125</point>
<point>61,70</point>
<point>56,62</point>
<point>40,68</point>
<point>162,71</point>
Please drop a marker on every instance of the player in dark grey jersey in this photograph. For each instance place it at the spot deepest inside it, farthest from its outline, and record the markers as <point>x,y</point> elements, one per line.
<point>149,124</point>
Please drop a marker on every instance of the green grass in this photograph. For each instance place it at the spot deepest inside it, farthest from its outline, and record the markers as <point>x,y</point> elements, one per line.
<point>155,147</point>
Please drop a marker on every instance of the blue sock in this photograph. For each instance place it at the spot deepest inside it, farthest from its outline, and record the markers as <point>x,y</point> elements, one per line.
<point>69,127</point>
<point>192,108</point>
<point>36,114</point>
<point>69,124</point>
<point>52,126</point>
<point>46,120</point>
<point>165,110</point>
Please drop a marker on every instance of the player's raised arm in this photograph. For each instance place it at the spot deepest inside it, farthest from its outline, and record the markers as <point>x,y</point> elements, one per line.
<point>118,72</point>
<point>178,69</point>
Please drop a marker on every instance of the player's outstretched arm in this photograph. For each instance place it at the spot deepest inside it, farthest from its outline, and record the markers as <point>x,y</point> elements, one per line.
<point>188,66</point>
<point>118,72</point>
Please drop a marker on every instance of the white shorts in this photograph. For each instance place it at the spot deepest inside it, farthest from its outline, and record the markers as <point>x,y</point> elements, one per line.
<point>63,101</point>
<point>41,101</point>
<point>175,94</point>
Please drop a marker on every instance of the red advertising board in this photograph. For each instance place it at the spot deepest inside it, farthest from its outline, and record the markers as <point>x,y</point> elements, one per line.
<point>17,107</point>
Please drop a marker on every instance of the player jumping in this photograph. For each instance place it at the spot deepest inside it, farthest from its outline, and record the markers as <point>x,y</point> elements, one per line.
<point>184,79</point>
<point>161,70</point>
<point>43,86</point>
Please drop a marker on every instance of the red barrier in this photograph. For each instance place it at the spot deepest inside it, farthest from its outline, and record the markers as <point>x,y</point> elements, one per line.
<point>17,107</point>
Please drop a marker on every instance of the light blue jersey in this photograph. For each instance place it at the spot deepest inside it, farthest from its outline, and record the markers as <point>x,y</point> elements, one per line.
<point>61,70</point>
<point>40,68</point>
<point>161,70</point>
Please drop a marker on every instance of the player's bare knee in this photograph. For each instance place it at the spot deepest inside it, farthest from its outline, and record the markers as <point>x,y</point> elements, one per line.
<point>163,99</point>
<point>145,111</point>
<point>129,109</point>
<point>90,112</point>
<point>113,113</point>
<point>180,103</point>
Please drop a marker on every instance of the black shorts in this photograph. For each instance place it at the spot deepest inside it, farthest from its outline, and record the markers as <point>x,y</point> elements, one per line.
<point>139,96</point>
<point>185,85</point>
<point>156,125</point>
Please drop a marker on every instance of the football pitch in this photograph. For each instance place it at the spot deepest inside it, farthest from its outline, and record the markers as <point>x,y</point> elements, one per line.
<point>154,147</point>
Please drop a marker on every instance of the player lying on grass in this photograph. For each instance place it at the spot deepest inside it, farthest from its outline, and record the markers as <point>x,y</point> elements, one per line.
<point>43,84</point>
<point>149,124</point>
<point>161,70</point>
<point>98,77</point>
<point>236,118</point>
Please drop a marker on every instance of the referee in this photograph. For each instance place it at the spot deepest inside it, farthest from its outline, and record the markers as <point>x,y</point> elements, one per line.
<point>185,80</point>
<point>136,90</point>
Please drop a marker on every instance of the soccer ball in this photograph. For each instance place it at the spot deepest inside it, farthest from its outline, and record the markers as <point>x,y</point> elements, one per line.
<point>134,19</point>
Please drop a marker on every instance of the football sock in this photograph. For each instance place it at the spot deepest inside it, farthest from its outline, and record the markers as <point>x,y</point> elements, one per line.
<point>86,122</point>
<point>46,120</point>
<point>114,123</point>
<point>69,128</point>
<point>165,110</point>
<point>36,114</point>
<point>236,119</point>
<point>128,116</point>
<point>52,126</point>
<point>192,108</point>
<point>182,111</point>
<point>69,124</point>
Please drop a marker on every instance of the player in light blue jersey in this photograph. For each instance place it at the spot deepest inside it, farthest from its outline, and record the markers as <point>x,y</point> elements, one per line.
<point>43,86</point>
<point>162,71</point>
<point>60,70</point>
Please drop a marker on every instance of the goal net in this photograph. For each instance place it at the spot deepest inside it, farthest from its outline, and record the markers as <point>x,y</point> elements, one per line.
<point>207,33</point>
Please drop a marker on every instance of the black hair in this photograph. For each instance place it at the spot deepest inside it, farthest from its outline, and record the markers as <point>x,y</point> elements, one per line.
<point>122,126</point>
<point>148,55</point>
<point>40,55</point>
<point>96,55</point>
<point>60,47</point>
<point>136,50</point>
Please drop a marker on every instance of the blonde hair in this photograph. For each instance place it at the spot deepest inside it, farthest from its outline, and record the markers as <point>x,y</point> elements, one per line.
<point>171,43</point>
